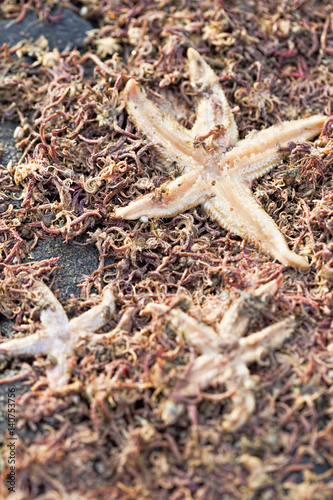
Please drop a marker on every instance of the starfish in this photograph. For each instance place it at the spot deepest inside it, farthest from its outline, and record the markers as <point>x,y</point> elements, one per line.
<point>218,169</point>
<point>225,353</point>
<point>59,336</point>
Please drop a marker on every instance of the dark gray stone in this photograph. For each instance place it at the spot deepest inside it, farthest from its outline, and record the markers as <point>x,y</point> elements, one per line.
<point>10,151</point>
<point>67,33</point>
<point>75,263</point>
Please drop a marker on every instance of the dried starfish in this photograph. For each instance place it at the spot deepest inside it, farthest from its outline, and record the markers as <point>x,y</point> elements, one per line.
<point>59,336</point>
<point>217,178</point>
<point>225,353</point>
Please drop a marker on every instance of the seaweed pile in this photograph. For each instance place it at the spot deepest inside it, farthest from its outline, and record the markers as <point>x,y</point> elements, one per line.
<point>122,427</point>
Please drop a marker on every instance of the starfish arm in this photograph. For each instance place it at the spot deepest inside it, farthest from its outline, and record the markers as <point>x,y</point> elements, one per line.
<point>236,319</point>
<point>235,208</point>
<point>259,153</point>
<point>213,109</point>
<point>255,345</point>
<point>204,370</point>
<point>58,375</point>
<point>171,198</point>
<point>92,320</point>
<point>25,346</point>
<point>161,129</point>
<point>211,369</point>
<point>53,317</point>
<point>243,400</point>
<point>250,349</point>
<point>198,334</point>
<point>233,324</point>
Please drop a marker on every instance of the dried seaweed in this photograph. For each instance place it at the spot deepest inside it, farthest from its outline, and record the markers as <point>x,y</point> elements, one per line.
<point>80,157</point>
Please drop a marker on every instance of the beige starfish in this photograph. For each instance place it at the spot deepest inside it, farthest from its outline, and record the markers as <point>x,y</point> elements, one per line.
<point>225,353</point>
<point>59,336</point>
<point>215,176</point>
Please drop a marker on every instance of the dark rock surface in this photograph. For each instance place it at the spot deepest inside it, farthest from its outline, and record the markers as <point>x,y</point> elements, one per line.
<point>67,33</point>
<point>75,262</point>
<point>10,152</point>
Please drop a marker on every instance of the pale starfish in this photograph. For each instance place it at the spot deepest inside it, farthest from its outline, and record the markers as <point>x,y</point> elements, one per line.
<point>225,353</point>
<point>59,336</point>
<point>217,178</point>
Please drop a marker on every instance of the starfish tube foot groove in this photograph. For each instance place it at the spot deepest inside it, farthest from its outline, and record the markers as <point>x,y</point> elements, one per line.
<point>218,168</point>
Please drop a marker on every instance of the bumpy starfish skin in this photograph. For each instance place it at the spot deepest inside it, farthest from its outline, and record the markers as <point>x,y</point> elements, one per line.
<point>59,336</point>
<point>215,176</point>
<point>225,353</point>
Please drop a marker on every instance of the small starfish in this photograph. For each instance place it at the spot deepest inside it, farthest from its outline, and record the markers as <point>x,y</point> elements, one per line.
<point>225,353</point>
<point>59,336</point>
<point>215,176</point>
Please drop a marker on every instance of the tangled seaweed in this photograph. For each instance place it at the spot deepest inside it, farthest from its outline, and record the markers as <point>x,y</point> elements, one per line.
<point>80,157</point>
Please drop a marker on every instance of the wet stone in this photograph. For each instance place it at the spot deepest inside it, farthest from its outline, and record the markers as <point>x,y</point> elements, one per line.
<point>75,263</point>
<point>67,33</point>
<point>10,151</point>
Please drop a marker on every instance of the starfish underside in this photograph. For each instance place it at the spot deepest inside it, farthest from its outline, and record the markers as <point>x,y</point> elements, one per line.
<point>225,353</point>
<point>59,336</point>
<point>218,168</point>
